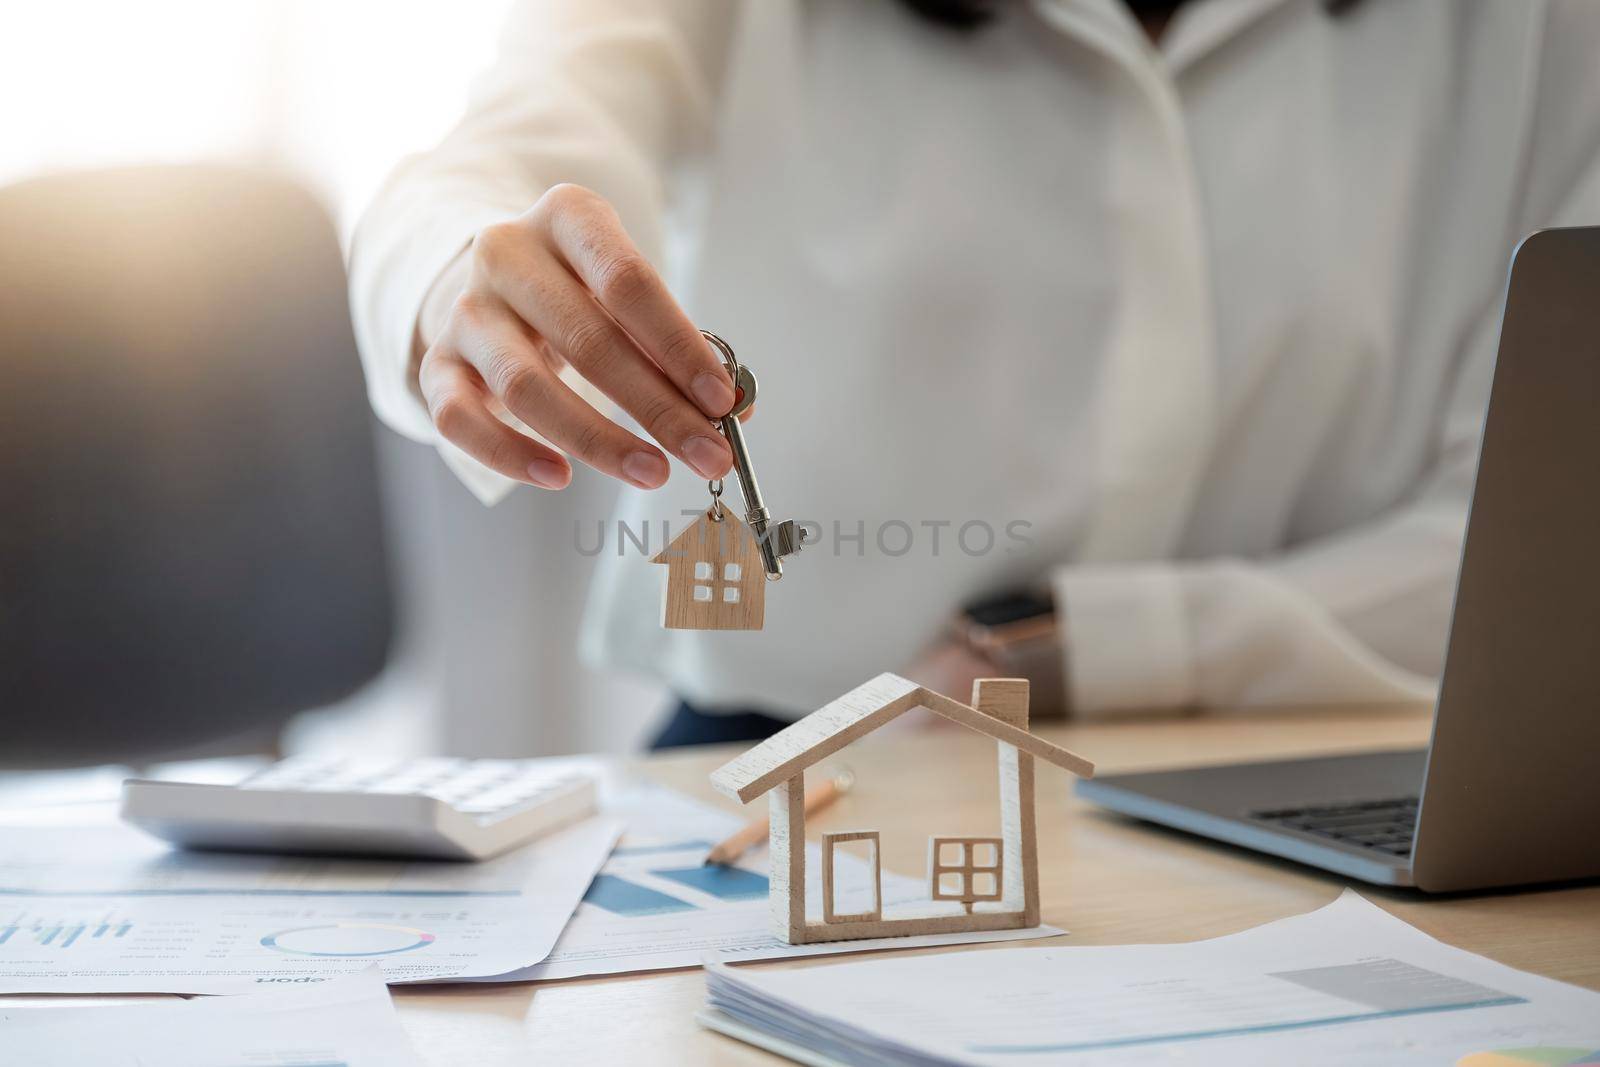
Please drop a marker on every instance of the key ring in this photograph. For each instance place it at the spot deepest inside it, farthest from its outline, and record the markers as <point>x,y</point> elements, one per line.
<point>744,380</point>
<point>716,499</point>
<point>785,537</point>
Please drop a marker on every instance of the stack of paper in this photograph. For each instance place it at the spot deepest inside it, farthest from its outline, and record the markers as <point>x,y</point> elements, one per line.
<point>1346,984</point>
<point>344,1022</point>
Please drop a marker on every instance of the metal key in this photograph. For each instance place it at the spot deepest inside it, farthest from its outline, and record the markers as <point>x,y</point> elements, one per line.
<point>784,538</point>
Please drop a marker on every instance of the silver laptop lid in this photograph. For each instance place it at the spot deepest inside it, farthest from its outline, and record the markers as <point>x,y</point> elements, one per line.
<point>1512,789</point>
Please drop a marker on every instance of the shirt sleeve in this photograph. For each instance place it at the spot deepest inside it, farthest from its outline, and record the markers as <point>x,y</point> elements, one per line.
<point>1362,616</point>
<point>608,94</point>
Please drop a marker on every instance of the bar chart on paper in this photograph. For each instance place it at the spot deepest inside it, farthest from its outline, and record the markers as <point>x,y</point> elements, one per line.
<point>236,942</point>
<point>619,896</point>
<point>62,933</point>
<point>636,897</point>
<point>111,911</point>
<point>724,883</point>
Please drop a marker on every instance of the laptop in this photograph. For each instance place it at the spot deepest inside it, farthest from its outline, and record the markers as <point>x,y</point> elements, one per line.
<point>1508,790</point>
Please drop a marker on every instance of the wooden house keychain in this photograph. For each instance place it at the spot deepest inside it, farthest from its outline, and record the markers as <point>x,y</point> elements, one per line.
<point>717,568</point>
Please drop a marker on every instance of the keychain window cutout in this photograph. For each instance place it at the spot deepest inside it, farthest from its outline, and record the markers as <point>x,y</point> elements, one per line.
<point>715,580</point>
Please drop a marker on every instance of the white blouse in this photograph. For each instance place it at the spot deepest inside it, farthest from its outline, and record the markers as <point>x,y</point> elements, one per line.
<point>1201,333</point>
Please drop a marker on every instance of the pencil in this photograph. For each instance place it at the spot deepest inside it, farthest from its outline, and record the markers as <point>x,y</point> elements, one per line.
<point>754,832</point>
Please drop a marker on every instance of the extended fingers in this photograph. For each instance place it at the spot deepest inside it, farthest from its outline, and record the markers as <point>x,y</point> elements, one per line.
<point>459,407</point>
<point>570,319</point>
<point>590,238</point>
<point>493,342</point>
<point>564,283</point>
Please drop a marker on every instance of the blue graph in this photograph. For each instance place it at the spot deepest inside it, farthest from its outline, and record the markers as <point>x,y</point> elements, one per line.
<point>64,934</point>
<point>725,883</point>
<point>622,897</point>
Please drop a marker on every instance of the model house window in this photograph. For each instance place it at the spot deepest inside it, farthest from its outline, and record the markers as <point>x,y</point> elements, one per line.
<point>707,586</point>
<point>966,869</point>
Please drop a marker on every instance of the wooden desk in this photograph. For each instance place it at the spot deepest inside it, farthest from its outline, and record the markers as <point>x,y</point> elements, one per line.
<point>1106,879</point>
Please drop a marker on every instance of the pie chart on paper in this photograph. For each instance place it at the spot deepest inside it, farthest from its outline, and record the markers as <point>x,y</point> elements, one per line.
<point>1537,1056</point>
<point>348,939</point>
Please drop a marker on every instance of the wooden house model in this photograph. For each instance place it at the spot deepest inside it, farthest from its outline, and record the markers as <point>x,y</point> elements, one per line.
<point>715,580</point>
<point>994,879</point>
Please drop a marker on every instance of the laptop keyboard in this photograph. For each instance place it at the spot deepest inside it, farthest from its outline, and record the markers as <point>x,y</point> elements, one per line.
<point>1383,825</point>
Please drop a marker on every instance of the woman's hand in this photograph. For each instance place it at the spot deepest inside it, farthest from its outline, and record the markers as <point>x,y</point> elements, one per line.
<point>560,285</point>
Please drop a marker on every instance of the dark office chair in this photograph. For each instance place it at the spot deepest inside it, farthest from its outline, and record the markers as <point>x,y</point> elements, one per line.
<point>190,539</point>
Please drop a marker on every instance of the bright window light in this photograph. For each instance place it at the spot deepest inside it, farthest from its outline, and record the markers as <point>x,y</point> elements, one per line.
<point>334,92</point>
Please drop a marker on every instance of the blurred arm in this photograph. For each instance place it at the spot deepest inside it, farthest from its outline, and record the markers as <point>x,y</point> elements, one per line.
<point>1361,616</point>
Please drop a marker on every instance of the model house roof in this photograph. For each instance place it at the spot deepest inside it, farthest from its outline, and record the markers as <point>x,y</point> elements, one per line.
<point>856,714</point>
<point>703,534</point>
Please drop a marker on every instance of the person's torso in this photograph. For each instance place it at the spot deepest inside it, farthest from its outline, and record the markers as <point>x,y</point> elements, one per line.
<point>1033,295</point>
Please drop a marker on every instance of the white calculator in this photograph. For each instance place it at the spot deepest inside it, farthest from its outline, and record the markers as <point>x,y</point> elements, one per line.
<point>425,808</point>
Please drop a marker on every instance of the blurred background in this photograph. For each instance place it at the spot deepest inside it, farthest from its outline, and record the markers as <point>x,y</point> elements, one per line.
<point>210,315</point>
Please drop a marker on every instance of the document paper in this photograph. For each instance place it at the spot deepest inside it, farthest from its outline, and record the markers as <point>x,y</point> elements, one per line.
<point>655,906</point>
<point>106,909</point>
<point>1346,984</point>
<point>341,1022</point>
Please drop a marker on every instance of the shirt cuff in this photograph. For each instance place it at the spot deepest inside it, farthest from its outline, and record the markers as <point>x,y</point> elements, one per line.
<point>392,269</point>
<point>1129,638</point>
<point>490,487</point>
<point>391,277</point>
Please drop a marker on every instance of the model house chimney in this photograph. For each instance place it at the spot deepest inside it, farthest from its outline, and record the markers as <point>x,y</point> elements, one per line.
<point>1005,699</point>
